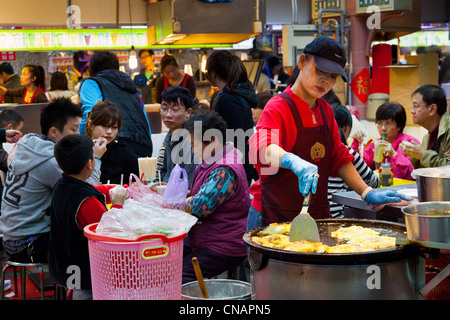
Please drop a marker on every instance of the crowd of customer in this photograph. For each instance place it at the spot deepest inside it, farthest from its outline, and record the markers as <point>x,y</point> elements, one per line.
<point>58,181</point>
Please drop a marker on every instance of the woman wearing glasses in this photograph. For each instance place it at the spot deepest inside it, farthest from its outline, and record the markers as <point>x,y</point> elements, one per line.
<point>390,119</point>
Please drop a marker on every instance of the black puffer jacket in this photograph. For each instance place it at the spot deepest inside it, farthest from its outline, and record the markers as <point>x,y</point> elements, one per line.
<point>118,88</point>
<point>236,109</point>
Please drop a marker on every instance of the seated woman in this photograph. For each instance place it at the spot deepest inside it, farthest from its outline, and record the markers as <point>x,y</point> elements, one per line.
<point>390,119</point>
<point>119,160</point>
<point>336,184</point>
<point>59,86</point>
<point>219,198</point>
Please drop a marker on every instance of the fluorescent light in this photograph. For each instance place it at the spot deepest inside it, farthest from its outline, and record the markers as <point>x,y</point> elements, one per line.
<point>133,27</point>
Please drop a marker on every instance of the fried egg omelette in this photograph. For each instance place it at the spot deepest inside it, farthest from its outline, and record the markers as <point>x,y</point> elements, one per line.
<point>351,239</point>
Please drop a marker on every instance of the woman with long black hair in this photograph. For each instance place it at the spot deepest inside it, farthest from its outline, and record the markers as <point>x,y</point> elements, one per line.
<point>235,99</point>
<point>33,85</point>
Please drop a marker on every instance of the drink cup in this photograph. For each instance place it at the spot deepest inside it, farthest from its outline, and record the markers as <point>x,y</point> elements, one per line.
<point>160,189</point>
<point>378,151</point>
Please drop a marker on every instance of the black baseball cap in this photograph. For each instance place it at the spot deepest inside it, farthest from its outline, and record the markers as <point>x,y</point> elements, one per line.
<point>329,55</point>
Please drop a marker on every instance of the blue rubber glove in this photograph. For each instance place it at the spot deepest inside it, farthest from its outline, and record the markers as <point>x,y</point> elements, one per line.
<point>385,196</point>
<point>305,171</point>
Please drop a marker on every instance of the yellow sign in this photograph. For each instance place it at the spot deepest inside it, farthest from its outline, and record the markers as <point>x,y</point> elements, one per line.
<point>317,5</point>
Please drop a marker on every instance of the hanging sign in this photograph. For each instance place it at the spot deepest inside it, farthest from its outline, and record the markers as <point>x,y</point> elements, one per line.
<point>7,56</point>
<point>361,85</point>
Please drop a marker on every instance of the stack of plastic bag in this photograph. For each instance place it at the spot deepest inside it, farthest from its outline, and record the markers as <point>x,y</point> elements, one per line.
<point>146,213</point>
<point>137,218</point>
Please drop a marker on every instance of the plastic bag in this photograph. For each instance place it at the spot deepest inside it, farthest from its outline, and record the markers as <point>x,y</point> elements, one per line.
<point>137,218</point>
<point>177,188</point>
<point>141,193</point>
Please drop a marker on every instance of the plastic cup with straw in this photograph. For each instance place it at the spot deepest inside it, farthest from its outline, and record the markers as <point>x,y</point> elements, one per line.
<point>379,151</point>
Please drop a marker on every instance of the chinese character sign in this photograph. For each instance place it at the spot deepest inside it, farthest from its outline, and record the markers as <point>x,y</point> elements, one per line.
<point>361,85</point>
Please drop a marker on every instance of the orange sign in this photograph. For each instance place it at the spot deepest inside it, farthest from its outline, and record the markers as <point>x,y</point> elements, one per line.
<point>361,85</point>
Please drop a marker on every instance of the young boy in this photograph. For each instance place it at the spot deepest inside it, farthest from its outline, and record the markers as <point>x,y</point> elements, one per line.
<point>176,107</point>
<point>76,204</point>
<point>298,137</point>
<point>31,176</point>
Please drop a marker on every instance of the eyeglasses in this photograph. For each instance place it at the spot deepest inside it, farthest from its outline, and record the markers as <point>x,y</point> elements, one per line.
<point>386,124</point>
<point>174,111</point>
<point>415,107</point>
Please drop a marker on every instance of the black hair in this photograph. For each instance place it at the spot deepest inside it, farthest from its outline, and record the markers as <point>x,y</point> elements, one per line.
<point>10,116</point>
<point>104,113</point>
<point>58,81</point>
<point>103,60</point>
<point>168,60</point>
<point>172,94</point>
<point>343,118</point>
<point>6,68</point>
<point>263,98</point>
<point>150,52</point>
<point>73,151</point>
<point>433,94</point>
<point>272,62</point>
<point>200,107</point>
<point>57,113</point>
<point>228,67</point>
<point>38,73</point>
<point>332,98</point>
<point>392,111</point>
<point>209,120</point>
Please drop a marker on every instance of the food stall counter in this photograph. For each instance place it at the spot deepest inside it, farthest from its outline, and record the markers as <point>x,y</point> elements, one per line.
<point>355,207</point>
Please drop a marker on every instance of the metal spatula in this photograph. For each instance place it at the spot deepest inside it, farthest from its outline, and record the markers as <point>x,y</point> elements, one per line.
<point>303,227</point>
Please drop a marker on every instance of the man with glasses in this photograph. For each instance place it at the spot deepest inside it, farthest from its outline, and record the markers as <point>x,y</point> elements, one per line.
<point>176,107</point>
<point>429,110</point>
<point>150,73</point>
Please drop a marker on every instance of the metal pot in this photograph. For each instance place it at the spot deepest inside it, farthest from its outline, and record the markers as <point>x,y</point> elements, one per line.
<point>218,289</point>
<point>396,273</point>
<point>432,188</point>
<point>428,221</point>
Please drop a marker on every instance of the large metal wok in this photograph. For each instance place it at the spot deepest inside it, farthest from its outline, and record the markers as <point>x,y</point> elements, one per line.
<point>281,274</point>
<point>326,227</point>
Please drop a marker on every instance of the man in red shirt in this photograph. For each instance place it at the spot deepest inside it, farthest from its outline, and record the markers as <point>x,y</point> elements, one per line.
<point>297,144</point>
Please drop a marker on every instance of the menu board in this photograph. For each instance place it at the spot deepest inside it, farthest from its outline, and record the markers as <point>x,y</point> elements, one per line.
<point>65,39</point>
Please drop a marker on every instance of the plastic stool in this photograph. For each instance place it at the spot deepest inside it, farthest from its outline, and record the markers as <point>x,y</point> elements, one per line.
<point>23,267</point>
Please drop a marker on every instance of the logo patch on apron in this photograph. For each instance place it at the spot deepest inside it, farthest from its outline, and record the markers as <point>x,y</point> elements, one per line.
<point>317,152</point>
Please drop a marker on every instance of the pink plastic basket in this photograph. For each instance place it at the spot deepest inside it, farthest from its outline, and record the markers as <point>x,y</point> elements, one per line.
<point>145,268</point>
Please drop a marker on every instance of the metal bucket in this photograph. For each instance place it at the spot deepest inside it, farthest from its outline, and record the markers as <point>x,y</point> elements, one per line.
<point>433,184</point>
<point>218,289</point>
<point>428,221</point>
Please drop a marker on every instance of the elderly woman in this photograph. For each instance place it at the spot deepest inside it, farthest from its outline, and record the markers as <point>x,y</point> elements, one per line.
<point>390,119</point>
<point>219,198</point>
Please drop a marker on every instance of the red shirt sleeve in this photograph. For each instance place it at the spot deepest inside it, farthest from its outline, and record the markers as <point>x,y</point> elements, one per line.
<point>91,211</point>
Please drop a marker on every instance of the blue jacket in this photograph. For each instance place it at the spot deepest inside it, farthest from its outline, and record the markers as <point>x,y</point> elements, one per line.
<point>117,87</point>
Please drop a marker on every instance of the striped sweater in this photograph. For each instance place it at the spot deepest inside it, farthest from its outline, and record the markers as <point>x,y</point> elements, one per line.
<point>338,185</point>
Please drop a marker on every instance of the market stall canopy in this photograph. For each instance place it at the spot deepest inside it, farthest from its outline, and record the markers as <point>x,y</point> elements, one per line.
<point>191,22</point>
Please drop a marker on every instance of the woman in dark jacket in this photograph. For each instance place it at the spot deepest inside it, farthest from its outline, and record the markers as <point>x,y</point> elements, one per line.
<point>235,100</point>
<point>119,160</point>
